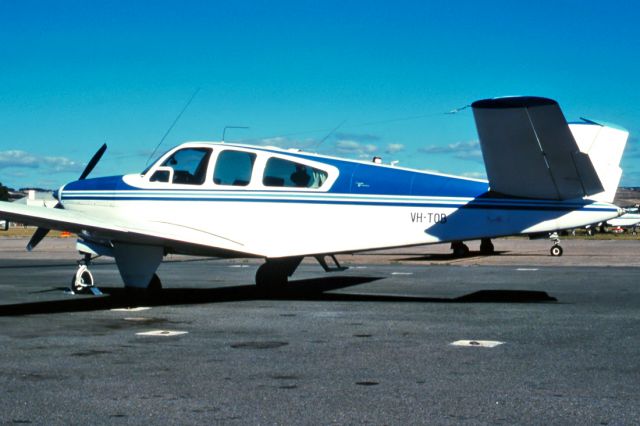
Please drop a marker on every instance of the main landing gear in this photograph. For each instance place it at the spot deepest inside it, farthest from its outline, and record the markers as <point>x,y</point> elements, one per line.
<point>460,249</point>
<point>486,246</point>
<point>273,275</point>
<point>556,248</point>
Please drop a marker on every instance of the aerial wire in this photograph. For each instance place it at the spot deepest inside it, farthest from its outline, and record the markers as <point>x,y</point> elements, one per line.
<point>173,124</point>
<point>368,123</point>
<point>330,133</point>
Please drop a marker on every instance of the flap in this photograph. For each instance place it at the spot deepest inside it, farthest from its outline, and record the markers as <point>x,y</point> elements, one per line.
<point>529,150</point>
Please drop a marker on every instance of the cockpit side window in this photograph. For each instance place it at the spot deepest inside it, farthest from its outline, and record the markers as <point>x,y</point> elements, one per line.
<point>279,172</point>
<point>189,166</point>
<point>234,168</point>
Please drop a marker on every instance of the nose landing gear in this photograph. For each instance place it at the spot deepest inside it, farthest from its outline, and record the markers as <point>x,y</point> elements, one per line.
<point>82,281</point>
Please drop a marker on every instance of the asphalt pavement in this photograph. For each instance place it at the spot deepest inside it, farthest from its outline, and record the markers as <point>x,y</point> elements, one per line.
<point>413,336</point>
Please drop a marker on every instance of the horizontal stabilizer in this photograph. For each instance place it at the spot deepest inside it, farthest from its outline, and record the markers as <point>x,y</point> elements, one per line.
<point>604,143</point>
<point>529,150</point>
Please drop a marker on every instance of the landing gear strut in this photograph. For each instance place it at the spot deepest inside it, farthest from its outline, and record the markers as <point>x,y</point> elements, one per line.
<point>556,249</point>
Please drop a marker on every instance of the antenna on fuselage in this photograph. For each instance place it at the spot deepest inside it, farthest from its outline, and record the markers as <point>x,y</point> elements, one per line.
<point>224,131</point>
<point>330,133</point>
<point>172,125</point>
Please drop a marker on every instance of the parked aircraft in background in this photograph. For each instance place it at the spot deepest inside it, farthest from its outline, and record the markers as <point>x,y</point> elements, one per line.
<point>231,200</point>
<point>630,220</point>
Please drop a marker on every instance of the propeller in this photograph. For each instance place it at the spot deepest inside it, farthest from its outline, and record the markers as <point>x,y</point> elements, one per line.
<point>42,232</point>
<point>92,163</point>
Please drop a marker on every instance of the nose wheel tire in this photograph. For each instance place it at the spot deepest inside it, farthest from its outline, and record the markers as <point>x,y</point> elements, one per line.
<point>82,281</point>
<point>556,250</point>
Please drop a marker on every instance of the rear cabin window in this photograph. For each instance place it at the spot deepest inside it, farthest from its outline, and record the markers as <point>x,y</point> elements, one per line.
<point>234,168</point>
<point>279,172</point>
<point>189,167</point>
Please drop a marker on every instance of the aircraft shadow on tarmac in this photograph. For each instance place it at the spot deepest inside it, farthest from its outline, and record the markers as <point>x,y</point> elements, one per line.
<point>318,289</point>
<point>444,257</point>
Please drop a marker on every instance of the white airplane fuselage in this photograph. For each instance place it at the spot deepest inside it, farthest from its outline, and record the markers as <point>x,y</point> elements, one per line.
<point>358,206</point>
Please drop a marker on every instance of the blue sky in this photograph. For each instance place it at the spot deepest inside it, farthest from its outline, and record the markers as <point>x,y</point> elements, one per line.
<point>75,74</point>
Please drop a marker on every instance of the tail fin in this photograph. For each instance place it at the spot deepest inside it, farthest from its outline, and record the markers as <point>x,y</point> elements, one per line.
<point>604,145</point>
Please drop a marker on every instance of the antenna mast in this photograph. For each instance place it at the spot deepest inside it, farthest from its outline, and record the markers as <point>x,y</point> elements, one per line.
<point>173,124</point>
<point>224,131</point>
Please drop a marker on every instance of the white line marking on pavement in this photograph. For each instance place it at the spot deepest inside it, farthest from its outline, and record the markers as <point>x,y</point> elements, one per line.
<point>477,343</point>
<point>163,333</point>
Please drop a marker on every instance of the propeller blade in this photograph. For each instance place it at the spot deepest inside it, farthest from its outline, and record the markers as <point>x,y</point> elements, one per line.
<point>40,232</point>
<point>94,160</point>
<point>37,237</point>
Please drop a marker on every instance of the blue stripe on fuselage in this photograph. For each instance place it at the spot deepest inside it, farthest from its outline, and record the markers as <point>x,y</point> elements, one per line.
<point>506,204</point>
<point>108,183</point>
<point>357,184</point>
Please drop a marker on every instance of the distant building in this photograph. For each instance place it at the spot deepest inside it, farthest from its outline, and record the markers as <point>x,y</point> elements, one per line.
<point>37,198</point>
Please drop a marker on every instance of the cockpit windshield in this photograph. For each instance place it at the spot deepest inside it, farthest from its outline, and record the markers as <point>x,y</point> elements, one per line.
<point>187,166</point>
<point>153,163</point>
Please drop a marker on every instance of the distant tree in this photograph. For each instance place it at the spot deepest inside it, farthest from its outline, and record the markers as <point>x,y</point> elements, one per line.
<point>4,193</point>
<point>35,188</point>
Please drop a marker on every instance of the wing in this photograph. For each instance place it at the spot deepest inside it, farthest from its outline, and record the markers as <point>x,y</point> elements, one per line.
<point>529,150</point>
<point>182,239</point>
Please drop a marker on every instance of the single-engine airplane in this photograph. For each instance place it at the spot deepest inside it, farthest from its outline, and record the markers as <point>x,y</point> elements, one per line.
<point>233,200</point>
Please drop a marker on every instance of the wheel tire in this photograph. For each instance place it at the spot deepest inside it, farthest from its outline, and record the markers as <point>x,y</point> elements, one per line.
<point>270,278</point>
<point>486,247</point>
<point>461,250</point>
<point>85,278</point>
<point>155,284</point>
<point>556,250</point>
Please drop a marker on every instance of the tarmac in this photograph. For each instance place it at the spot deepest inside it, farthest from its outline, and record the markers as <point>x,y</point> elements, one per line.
<point>405,336</point>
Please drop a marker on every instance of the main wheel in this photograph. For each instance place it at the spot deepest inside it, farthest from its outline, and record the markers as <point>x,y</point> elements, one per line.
<point>81,281</point>
<point>155,284</point>
<point>486,247</point>
<point>556,250</point>
<point>460,250</point>
<point>270,277</point>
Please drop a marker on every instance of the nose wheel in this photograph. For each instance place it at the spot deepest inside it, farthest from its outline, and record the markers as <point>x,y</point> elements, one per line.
<point>82,281</point>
